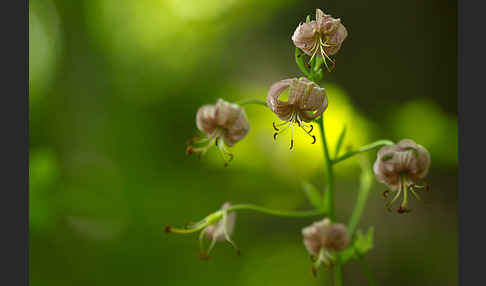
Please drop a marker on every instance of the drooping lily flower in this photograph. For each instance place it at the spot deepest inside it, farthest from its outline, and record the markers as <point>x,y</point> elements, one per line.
<point>223,124</point>
<point>306,102</point>
<point>401,167</point>
<point>322,37</point>
<point>322,239</point>
<point>216,227</point>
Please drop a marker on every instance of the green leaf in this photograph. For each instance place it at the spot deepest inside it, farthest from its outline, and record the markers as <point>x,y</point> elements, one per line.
<point>364,242</point>
<point>307,20</point>
<point>340,141</point>
<point>348,254</point>
<point>366,182</point>
<point>313,195</point>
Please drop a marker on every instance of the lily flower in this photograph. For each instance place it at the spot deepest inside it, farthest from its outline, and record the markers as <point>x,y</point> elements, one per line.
<point>223,124</point>
<point>322,37</point>
<point>322,239</point>
<point>401,167</point>
<point>306,102</point>
<point>216,227</point>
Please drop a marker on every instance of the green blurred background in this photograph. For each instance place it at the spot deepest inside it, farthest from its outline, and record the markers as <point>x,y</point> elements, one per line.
<point>114,88</point>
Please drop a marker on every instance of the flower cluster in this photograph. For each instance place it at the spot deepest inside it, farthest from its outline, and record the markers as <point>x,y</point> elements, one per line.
<point>402,166</point>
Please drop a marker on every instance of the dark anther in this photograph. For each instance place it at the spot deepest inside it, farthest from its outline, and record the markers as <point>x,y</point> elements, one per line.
<point>312,128</point>
<point>307,66</point>
<point>225,164</point>
<point>167,228</point>
<point>274,127</point>
<point>189,150</point>
<point>402,210</point>
<point>238,252</point>
<point>291,144</point>
<point>385,193</point>
<point>427,187</point>
<point>275,136</point>
<point>314,272</point>
<point>313,137</point>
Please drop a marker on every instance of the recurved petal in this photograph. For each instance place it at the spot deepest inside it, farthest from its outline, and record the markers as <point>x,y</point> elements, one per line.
<point>226,113</point>
<point>206,119</point>
<point>336,237</point>
<point>315,101</point>
<point>217,231</point>
<point>237,130</point>
<point>303,36</point>
<point>282,109</point>
<point>336,40</point>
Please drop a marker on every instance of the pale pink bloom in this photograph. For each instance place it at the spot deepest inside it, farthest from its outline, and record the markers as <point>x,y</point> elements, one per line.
<point>322,237</point>
<point>222,228</point>
<point>322,37</point>
<point>401,166</point>
<point>306,102</point>
<point>221,231</point>
<point>223,122</point>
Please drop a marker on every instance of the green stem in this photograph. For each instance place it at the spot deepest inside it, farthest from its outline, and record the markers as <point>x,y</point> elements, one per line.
<point>338,275</point>
<point>251,101</point>
<point>328,171</point>
<point>367,271</point>
<point>281,213</point>
<point>366,181</point>
<point>365,148</point>
<point>338,272</point>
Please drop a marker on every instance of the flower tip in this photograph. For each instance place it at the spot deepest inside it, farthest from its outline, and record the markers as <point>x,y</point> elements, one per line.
<point>203,255</point>
<point>402,210</point>
<point>189,150</point>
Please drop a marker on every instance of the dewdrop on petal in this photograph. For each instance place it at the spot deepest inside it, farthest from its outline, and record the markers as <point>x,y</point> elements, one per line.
<point>306,102</point>
<point>322,239</point>
<point>322,37</point>
<point>401,167</point>
<point>223,124</point>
